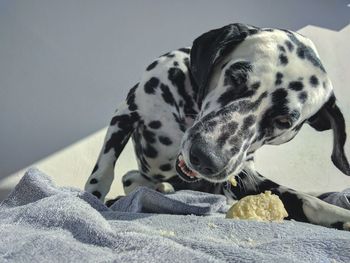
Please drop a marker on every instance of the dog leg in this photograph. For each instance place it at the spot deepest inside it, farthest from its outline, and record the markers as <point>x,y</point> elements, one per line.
<point>121,127</point>
<point>300,206</point>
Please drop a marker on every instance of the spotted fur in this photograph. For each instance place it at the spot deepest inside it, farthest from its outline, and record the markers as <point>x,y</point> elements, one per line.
<point>214,104</point>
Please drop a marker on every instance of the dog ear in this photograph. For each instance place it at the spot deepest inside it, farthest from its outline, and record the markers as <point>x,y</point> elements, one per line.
<point>208,49</point>
<point>330,117</point>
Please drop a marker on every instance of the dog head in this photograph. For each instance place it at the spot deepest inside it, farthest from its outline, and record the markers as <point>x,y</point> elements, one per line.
<point>255,87</point>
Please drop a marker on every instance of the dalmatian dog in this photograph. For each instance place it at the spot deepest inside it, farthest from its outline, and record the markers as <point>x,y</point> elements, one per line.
<point>199,114</point>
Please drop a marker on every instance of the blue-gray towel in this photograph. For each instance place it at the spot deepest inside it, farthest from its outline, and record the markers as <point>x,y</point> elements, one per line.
<point>40,222</point>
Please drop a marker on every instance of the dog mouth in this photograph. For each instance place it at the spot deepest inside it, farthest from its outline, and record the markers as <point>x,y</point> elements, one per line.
<point>184,172</point>
<point>190,176</point>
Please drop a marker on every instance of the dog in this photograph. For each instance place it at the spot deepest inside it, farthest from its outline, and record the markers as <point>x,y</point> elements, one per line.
<point>199,114</point>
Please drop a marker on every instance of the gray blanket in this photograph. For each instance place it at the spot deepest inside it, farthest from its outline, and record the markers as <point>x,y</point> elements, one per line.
<point>40,222</point>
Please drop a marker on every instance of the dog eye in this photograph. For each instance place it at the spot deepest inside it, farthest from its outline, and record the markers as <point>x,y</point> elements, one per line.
<point>283,122</point>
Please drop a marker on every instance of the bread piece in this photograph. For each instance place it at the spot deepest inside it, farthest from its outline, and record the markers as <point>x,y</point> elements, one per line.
<point>261,207</point>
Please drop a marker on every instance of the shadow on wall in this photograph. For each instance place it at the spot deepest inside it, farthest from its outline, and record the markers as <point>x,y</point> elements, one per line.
<point>65,66</point>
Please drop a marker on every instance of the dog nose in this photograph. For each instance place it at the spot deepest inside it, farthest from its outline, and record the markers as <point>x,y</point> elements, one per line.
<point>204,160</point>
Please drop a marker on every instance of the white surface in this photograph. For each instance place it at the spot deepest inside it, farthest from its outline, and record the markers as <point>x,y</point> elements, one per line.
<point>303,164</point>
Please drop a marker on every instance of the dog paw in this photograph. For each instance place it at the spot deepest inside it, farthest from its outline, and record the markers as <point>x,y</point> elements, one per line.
<point>164,188</point>
<point>96,191</point>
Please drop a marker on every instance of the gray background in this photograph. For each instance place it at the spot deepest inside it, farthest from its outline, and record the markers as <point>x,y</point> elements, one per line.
<point>65,65</point>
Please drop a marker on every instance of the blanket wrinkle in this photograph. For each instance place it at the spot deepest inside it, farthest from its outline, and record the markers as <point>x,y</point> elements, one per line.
<point>44,223</point>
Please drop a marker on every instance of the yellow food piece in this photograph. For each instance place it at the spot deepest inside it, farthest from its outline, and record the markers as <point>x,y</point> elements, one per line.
<point>233,181</point>
<point>261,207</point>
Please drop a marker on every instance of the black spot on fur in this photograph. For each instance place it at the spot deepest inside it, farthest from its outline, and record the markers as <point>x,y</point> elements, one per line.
<point>226,97</point>
<point>180,121</point>
<point>232,94</point>
<point>246,106</point>
<point>150,151</point>
<point>293,206</point>
<point>306,52</point>
<point>130,99</point>
<point>250,159</point>
<point>193,82</point>
<point>124,118</point>
<point>256,85</point>
<point>132,90</point>
<point>139,151</point>
<point>93,181</point>
<point>237,74</point>
<point>177,78</point>
<point>167,95</point>
<point>165,167</point>
<point>125,121</point>
<point>314,81</point>
<point>267,185</point>
<point>234,150</point>
<point>164,55</point>
<point>245,146</point>
<point>165,140</point>
<point>248,122</point>
<point>279,107</point>
<point>151,85</point>
<point>231,127</point>
<point>210,125</point>
<point>283,59</point>
<point>148,136</point>
<point>155,124</point>
<point>175,63</point>
<point>235,140</point>
<point>152,65</point>
<point>95,168</point>
<point>279,77</point>
<point>294,114</point>
<point>302,97</point>
<point>289,45</point>
<point>144,164</point>
<point>115,142</point>
<point>97,194</point>
<point>301,52</point>
<point>279,97</point>
<point>185,50</point>
<point>295,85</point>
<point>127,183</point>
<point>170,55</point>
<point>134,117</point>
<point>223,138</point>
<point>281,48</point>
